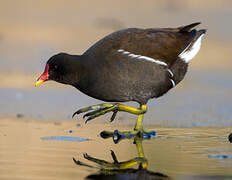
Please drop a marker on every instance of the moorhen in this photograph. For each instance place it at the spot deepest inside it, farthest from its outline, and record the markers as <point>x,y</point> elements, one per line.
<point>128,65</point>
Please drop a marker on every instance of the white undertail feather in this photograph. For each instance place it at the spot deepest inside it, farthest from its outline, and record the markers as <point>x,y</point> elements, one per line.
<point>190,53</point>
<point>142,57</point>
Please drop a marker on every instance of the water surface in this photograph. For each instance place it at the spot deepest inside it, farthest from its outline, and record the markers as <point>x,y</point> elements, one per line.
<point>179,153</point>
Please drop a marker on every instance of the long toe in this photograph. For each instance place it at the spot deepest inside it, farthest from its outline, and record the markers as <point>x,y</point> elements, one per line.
<point>98,113</point>
<point>93,112</point>
<point>95,108</point>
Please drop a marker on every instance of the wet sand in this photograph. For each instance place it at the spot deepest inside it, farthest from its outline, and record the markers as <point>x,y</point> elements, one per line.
<point>177,152</point>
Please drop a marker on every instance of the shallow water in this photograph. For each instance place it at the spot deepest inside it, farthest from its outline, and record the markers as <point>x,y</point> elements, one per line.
<point>179,153</point>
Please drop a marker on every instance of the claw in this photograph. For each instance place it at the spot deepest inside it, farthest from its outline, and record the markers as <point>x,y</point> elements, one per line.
<point>76,161</point>
<point>77,112</point>
<point>87,120</point>
<point>81,111</point>
<point>92,117</point>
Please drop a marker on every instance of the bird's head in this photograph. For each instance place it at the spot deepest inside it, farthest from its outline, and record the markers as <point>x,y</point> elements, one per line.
<point>56,69</point>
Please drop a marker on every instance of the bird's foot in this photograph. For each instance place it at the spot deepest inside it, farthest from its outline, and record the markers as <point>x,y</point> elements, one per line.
<point>101,109</point>
<point>97,110</point>
<point>115,165</point>
<point>118,136</point>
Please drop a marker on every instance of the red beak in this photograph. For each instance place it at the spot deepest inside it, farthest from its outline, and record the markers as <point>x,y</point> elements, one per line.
<point>43,77</point>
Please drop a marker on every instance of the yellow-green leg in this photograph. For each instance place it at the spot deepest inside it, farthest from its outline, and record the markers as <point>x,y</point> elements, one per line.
<point>109,166</point>
<point>116,165</point>
<point>139,147</point>
<point>139,122</point>
<point>101,109</point>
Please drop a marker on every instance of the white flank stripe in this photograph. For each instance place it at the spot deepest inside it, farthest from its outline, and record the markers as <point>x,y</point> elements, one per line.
<point>173,83</point>
<point>134,56</point>
<point>142,57</point>
<point>188,54</point>
<point>126,52</point>
<point>170,72</point>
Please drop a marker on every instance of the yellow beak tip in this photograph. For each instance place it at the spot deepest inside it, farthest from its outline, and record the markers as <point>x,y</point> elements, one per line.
<point>37,83</point>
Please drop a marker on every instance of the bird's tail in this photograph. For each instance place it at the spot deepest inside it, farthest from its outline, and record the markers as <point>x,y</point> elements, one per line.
<point>194,46</point>
<point>189,51</point>
<point>196,33</point>
<point>188,27</point>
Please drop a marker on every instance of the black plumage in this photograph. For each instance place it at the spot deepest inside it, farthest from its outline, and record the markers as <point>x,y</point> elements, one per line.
<point>128,65</point>
<point>114,69</point>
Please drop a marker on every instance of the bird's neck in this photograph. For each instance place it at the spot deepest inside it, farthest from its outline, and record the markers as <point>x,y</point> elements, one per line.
<point>74,69</point>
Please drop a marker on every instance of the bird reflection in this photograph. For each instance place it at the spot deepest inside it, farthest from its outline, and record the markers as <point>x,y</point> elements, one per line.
<point>117,136</point>
<point>117,170</point>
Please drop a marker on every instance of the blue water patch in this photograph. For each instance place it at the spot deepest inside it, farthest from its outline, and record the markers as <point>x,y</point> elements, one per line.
<point>223,156</point>
<point>65,138</point>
